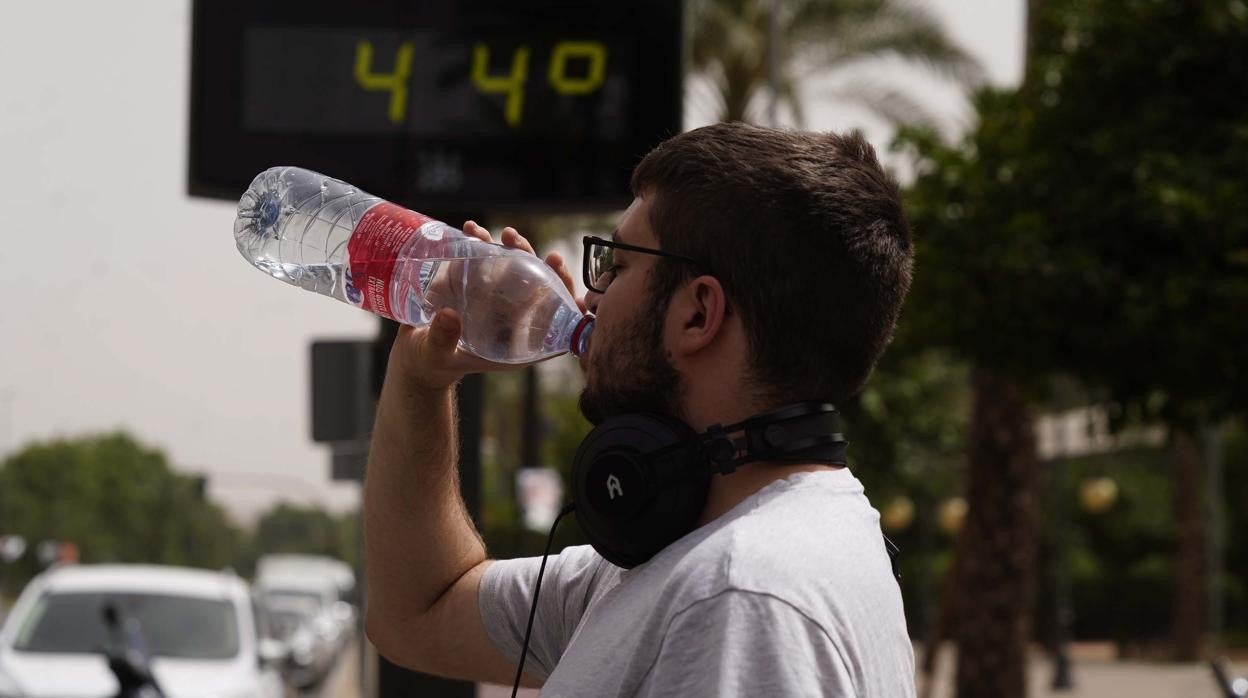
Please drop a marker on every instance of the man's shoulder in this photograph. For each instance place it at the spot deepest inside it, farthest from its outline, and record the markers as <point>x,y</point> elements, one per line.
<point>797,545</point>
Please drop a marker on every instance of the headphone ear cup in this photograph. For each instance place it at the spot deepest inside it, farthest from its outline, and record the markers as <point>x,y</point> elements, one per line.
<point>630,503</point>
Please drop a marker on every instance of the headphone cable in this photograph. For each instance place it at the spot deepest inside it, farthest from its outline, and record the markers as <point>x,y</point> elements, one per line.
<point>537,589</point>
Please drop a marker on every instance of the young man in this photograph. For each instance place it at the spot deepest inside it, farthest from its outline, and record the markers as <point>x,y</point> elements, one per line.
<point>775,267</point>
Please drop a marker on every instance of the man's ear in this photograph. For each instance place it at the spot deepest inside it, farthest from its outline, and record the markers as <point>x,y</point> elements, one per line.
<point>699,308</point>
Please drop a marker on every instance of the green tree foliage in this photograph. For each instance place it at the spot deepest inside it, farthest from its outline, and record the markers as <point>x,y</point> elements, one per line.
<point>1094,222</point>
<point>305,530</point>
<point>731,44</point>
<point>116,499</point>
<point>563,428</point>
<point>907,434</point>
<point>294,529</point>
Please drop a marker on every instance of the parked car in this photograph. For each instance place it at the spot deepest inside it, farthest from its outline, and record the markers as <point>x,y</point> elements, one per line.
<point>330,579</point>
<point>203,630</point>
<point>312,639</point>
<point>286,580</point>
<point>337,572</point>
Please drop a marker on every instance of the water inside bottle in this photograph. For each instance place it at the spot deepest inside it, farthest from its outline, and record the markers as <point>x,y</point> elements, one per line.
<point>512,311</point>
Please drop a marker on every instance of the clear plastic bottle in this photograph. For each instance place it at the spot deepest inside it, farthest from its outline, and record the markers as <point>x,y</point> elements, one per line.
<point>324,235</point>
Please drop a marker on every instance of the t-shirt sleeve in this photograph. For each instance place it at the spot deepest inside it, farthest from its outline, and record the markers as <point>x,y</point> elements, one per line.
<point>506,595</point>
<point>741,643</point>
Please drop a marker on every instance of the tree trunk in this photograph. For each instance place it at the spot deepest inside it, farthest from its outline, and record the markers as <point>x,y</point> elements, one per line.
<point>1189,566</point>
<point>946,619</point>
<point>737,90</point>
<point>1001,527</point>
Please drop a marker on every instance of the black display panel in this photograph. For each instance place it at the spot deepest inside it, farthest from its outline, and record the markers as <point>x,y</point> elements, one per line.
<point>534,105</point>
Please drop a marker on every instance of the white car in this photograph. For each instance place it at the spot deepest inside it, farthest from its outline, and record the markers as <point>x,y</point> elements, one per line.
<point>323,580</point>
<point>301,625</point>
<point>206,638</point>
<point>331,570</point>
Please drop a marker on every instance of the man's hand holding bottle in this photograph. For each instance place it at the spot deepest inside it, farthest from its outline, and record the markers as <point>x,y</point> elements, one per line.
<point>429,359</point>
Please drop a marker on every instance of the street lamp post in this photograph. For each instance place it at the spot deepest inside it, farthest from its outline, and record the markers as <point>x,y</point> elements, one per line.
<point>1063,679</point>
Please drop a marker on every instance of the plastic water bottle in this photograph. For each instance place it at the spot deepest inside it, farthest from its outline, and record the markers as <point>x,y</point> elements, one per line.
<point>324,235</point>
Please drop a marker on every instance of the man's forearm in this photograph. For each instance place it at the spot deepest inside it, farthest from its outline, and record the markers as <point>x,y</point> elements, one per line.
<point>418,537</point>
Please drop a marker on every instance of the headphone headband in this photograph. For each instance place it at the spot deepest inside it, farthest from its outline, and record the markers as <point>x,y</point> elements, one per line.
<point>805,431</point>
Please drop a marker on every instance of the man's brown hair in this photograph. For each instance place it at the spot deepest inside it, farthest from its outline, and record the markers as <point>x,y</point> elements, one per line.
<point>807,235</point>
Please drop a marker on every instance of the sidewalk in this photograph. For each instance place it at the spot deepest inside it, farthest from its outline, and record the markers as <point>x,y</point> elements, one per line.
<point>1095,676</point>
<point>344,681</point>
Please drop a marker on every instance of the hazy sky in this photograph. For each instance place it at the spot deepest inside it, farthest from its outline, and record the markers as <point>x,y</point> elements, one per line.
<point>126,304</point>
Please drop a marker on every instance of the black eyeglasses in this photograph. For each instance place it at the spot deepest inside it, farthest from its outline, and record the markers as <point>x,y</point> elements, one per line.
<point>599,259</point>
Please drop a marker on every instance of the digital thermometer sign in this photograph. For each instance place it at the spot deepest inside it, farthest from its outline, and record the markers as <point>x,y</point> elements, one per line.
<point>490,103</point>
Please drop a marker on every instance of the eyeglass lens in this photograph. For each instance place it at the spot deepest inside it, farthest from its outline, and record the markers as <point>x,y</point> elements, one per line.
<point>601,262</point>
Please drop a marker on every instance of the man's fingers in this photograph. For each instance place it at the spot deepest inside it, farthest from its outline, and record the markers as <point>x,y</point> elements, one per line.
<point>444,332</point>
<point>477,231</point>
<point>513,238</point>
<point>510,237</point>
<point>430,356</point>
<point>554,260</point>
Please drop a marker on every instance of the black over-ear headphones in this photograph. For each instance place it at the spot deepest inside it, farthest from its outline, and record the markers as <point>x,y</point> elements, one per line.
<point>639,482</point>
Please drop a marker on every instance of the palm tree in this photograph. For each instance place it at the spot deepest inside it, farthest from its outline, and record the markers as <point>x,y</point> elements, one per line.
<point>731,46</point>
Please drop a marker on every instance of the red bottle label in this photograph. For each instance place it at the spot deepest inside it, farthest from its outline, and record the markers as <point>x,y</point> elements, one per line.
<point>372,252</point>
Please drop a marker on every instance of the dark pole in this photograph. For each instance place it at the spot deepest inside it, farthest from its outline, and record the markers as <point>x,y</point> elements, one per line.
<point>531,437</point>
<point>1214,506</point>
<point>1063,680</point>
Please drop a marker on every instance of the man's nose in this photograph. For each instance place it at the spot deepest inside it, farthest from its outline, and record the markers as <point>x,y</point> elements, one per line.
<point>591,301</point>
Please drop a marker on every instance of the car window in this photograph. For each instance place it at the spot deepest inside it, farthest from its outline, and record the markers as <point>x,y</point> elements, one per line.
<point>286,621</point>
<point>287,596</point>
<point>173,626</point>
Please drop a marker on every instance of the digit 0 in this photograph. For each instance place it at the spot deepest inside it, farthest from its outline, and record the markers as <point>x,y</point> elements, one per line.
<point>395,83</point>
<point>594,52</point>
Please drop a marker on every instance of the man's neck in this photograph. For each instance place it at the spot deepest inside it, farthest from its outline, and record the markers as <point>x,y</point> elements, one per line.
<point>708,402</point>
<point>727,491</point>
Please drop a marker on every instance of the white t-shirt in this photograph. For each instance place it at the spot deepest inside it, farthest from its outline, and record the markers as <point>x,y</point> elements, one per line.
<point>791,593</point>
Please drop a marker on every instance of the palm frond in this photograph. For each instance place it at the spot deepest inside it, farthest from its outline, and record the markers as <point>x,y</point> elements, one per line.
<point>729,47</point>
<point>704,97</point>
<point>728,29</point>
<point>893,105</point>
<point>897,29</point>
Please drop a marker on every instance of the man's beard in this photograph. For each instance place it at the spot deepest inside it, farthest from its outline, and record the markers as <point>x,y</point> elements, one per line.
<point>633,374</point>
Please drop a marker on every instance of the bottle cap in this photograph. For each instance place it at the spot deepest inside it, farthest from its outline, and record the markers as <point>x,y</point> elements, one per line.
<point>580,335</point>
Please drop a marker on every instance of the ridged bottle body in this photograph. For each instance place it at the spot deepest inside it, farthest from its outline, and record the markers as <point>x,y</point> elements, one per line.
<point>324,235</point>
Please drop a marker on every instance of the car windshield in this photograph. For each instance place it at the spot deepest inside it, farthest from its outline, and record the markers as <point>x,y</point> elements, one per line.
<point>173,626</point>
<point>285,621</point>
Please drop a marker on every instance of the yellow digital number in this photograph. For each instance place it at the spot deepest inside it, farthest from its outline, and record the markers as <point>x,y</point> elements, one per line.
<point>592,51</point>
<point>511,85</point>
<point>395,83</point>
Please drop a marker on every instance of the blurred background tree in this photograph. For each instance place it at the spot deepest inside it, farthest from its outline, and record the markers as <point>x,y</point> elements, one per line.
<point>306,530</point>
<point>1091,225</point>
<point>907,432</point>
<point>562,427</point>
<point>737,44</point>
<point>116,500</point>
